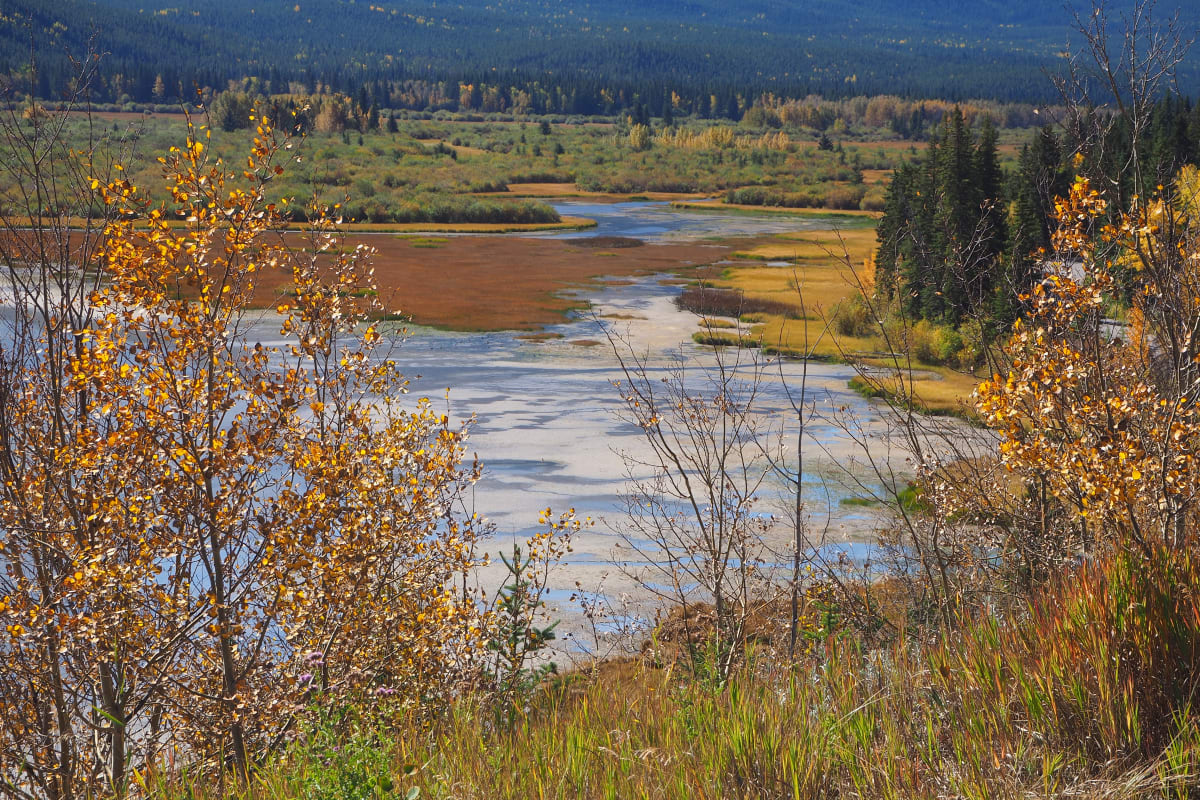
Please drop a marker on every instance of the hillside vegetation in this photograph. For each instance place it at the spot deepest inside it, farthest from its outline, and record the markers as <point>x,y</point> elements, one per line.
<point>593,54</point>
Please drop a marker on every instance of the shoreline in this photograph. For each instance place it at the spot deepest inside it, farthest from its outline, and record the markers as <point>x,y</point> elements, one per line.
<point>741,208</point>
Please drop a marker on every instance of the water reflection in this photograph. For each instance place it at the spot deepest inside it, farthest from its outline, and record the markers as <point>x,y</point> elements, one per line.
<point>548,433</point>
<point>660,222</point>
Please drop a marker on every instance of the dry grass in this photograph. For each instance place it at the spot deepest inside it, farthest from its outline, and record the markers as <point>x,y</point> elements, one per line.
<point>820,286</point>
<point>820,248</point>
<point>822,274</point>
<point>950,391</point>
<point>498,283</point>
<point>811,333</point>
<point>938,390</point>
<point>1089,692</point>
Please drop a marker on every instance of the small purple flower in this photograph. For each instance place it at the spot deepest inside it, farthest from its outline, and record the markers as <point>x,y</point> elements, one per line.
<point>384,691</point>
<point>315,657</point>
<point>306,679</point>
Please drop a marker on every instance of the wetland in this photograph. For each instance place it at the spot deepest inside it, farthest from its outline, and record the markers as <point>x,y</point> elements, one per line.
<point>546,408</point>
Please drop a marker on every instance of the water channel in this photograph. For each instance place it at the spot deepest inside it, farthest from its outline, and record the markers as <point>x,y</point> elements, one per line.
<point>546,412</point>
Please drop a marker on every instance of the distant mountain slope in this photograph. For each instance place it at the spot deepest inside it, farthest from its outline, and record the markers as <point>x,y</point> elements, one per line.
<point>923,47</point>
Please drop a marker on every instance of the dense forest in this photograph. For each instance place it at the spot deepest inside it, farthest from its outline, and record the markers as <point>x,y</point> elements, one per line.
<point>577,58</point>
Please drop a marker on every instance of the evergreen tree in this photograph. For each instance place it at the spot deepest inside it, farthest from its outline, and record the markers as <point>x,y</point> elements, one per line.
<point>1039,179</point>
<point>943,231</point>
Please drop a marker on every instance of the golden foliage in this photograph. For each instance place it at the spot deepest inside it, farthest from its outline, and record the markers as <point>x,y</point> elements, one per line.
<point>1104,416</point>
<point>718,136</point>
<point>209,521</point>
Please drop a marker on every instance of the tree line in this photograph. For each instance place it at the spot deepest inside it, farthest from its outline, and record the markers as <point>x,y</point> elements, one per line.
<point>163,56</point>
<point>959,237</point>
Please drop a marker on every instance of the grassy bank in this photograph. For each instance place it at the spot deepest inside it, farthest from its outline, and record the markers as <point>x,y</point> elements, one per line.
<point>1086,689</point>
<point>801,303</point>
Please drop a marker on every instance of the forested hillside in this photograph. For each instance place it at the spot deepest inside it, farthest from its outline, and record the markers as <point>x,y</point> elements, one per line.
<point>599,55</point>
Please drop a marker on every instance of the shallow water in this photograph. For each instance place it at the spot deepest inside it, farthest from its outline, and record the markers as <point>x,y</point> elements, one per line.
<point>547,430</point>
<point>657,222</point>
<point>548,433</point>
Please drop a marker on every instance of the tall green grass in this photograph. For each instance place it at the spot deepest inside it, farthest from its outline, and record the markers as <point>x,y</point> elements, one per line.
<point>1089,691</point>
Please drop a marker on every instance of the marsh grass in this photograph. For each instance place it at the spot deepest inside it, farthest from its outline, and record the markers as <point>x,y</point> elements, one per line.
<point>710,302</point>
<point>847,216</point>
<point>828,272</point>
<point>939,391</point>
<point>719,339</point>
<point>824,264</point>
<point>1088,689</point>
<point>428,242</point>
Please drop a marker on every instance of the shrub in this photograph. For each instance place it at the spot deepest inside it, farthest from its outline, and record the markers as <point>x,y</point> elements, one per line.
<point>934,344</point>
<point>364,188</point>
<point>843,198</point>
<point>339,757</point>
<point>853,317</point>
<point>875,199</point>
<point>217,520</point>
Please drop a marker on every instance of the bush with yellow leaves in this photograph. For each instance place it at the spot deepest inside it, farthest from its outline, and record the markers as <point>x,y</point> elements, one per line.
<point>1098,417</point>
<point>210,519</point>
